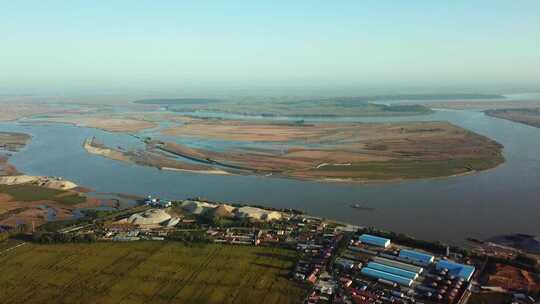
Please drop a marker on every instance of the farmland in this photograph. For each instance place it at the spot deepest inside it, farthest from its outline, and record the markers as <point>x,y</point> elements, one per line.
<point>143,272</point>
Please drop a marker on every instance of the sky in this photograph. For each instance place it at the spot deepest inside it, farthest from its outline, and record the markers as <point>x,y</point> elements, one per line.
<point>165,45</point>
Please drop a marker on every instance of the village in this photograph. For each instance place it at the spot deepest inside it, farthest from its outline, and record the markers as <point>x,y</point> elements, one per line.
<point>337,262</point>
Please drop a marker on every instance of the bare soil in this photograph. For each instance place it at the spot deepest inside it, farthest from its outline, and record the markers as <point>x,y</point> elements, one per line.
<point>512,278</point>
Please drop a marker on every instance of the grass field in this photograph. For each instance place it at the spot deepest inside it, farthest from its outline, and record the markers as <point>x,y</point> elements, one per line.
<point>147,272</point>
<point>31,193</point>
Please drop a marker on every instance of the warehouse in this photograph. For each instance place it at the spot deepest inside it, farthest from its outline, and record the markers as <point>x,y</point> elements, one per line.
<point>416,256</point>
<point>409,267</point>
<point>376,274</point>
<point>393,270</point>
<point>458,270</point>
<point>374,240</point>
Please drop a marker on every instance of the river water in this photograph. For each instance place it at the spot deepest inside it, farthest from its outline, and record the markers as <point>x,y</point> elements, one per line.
<point>498,201</point>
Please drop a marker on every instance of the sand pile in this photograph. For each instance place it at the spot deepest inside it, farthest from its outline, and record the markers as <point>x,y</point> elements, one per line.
<point>150,217</point>
<point>257,214</point>
<point>223,211</point>
<point>153,217</point>
<point>43,181</point>
<point>195,207</point>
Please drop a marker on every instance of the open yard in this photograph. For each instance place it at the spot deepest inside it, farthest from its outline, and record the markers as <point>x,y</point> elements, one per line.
<point>147,272</point>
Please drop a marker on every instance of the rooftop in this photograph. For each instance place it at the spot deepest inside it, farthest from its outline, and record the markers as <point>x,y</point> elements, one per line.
<point>459,270</point>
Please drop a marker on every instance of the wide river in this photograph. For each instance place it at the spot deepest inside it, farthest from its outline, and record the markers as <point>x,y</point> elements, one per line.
<point>498,201</point>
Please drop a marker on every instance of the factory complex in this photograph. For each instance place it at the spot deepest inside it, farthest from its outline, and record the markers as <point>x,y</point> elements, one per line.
<point>390,272</point>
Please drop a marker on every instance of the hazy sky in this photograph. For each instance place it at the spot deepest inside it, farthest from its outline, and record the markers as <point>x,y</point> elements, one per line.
<point>124,45</point>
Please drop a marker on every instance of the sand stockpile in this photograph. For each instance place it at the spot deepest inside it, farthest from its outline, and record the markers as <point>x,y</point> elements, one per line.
<point>195,207</point>
<point>43,181</point>
<point>153,217</point>
<point>257,214</point>
<point>223,211</point>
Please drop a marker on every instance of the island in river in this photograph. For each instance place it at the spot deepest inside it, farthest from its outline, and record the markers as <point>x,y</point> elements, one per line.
<point>526,116</point>
<point>319,151</point>
<point>309,107</point>
<point>148,157</point>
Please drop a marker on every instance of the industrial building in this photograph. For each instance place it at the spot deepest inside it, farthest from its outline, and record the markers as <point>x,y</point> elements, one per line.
<point>388,262</point>
<point>462,271</point>
<point>374,240</point>
<point>393,270</point>
<point>416,256</point>
<point>376,274</point>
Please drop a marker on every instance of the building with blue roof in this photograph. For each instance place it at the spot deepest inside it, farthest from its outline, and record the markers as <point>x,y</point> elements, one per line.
<point>393,270</point>
<point>401,265</point>
<point>376,274</point>
<point>458,270</point>
<point>416,256</point>
<point>374,240</point>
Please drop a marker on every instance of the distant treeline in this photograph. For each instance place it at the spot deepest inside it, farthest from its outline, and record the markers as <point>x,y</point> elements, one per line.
<point>8,232</point>
<point>60,238</point>
<point>396,97</point>
<point>336,100</point>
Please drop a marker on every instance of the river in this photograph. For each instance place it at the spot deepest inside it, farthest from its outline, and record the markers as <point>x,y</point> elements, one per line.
<point>498,201</point>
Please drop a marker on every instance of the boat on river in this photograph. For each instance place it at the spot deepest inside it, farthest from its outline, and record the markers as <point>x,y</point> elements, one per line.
<point>361,207</point>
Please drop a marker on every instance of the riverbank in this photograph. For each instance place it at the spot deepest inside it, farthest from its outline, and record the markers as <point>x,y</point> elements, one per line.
<point>6,168</point>
<point>11,142</point>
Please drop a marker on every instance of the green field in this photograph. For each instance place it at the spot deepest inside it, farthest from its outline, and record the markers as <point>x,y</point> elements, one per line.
<point>147,272</point>
<point>32,193</point>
